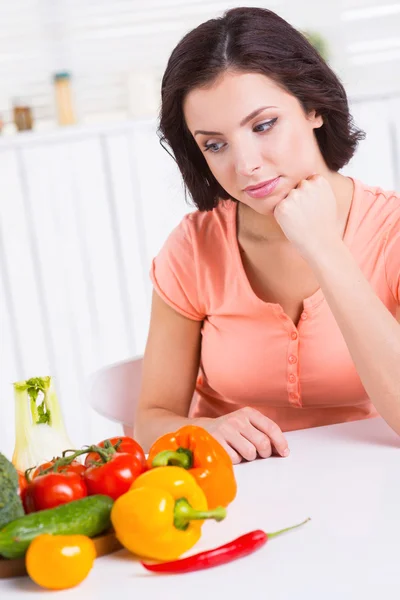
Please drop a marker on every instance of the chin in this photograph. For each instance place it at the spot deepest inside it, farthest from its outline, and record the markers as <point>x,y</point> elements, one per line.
<point>265,206</point>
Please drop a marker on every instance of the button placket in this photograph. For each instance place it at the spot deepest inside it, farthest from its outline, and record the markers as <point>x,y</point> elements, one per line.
<point>292,369</point>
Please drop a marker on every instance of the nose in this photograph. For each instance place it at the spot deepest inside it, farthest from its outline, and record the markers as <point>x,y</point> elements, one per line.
<point>247,160</point>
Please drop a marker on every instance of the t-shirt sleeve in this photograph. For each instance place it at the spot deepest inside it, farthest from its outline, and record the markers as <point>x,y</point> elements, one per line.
<point>174,273</point>
<point>392,260</point>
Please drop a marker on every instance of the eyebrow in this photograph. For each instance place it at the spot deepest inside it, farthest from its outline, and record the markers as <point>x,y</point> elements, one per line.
<point>242,122</point>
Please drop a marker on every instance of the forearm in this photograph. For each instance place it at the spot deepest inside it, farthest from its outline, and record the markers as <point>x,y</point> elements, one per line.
<point>371,333</point>
<point>152,423</point>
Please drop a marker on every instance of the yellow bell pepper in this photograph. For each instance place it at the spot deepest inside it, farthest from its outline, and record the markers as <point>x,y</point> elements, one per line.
<point>161,516</point>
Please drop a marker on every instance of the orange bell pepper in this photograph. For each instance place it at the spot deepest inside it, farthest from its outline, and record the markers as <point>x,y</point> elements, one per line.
<point>193,448</point>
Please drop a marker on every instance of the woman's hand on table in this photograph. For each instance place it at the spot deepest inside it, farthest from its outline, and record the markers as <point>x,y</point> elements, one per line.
<point>246,434</point>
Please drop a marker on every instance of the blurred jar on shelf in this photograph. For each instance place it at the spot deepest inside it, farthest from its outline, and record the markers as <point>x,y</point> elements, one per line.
<point>22,114</point>
<point>64,100</point>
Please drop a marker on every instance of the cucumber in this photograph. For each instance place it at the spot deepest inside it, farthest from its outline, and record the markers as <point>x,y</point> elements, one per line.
<point>87,516</point>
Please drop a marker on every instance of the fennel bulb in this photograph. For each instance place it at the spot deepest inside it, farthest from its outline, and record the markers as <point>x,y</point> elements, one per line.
<point>40,433</point>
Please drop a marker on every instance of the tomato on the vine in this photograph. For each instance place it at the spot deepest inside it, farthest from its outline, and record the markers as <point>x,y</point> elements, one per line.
<point>53,489</point>
<point>128,446</point>
<point>59,562</point>
<point>114,477</point>
<point>22,483</point>
<point>74,467</point>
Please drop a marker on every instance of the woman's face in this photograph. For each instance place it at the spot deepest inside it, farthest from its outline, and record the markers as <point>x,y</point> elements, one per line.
<point>252,132</point>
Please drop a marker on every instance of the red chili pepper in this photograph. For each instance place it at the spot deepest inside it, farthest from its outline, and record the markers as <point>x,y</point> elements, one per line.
<point>237,548</point>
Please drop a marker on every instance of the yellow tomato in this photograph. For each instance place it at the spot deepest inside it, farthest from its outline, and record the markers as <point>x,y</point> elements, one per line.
<point>58,562</point>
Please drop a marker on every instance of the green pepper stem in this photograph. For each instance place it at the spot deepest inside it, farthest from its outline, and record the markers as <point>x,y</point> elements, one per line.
<point>182,457</point>
<point>184,513</point>
<point>276,533</point>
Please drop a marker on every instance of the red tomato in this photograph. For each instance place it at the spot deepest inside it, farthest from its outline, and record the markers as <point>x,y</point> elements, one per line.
<point>74,467</point>
<point>53,489</point>
<point>114,477</point>
<point>22,483</point>
<point>128,445</point>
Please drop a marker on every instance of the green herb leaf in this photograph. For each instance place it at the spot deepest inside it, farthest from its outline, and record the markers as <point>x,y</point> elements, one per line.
<point>44,415</point>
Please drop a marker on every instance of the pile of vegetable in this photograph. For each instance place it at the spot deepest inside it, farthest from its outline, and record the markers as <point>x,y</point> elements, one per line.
<point>54,499</point>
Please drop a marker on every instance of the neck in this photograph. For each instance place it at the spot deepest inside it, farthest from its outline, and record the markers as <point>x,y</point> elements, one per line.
<point>265,227</point>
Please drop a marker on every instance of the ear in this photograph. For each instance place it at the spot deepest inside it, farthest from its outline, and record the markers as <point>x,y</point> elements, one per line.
<point>316,120</point>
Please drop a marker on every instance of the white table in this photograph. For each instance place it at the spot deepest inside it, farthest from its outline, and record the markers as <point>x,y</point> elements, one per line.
<point>345,477</point>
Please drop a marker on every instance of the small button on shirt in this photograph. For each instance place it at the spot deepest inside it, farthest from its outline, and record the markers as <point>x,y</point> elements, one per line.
<point>250,356</point>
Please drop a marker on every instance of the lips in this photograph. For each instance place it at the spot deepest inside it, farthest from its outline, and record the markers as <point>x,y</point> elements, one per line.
<point>259,185</point>
<point>263,189</point>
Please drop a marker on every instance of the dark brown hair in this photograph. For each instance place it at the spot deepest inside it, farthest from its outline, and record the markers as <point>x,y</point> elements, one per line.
<point>251,40</point>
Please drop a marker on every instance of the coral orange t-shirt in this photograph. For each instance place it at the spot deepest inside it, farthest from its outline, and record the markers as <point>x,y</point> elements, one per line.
<point>252,354</point>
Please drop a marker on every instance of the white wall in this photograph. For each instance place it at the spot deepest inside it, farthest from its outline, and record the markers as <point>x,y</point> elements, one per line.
<point>109,45</point>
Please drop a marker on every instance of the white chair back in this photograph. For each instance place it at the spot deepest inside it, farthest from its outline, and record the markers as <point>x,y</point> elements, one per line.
<point>114,391</point>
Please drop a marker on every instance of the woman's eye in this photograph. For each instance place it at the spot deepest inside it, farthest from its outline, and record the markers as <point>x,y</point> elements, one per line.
<point>260,128</point>
<point>214,147</point>
<point>265,126</point>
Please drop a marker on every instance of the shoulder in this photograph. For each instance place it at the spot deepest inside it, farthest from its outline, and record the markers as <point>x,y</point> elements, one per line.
<point>379,219</point>
<point>201,225</point>
<point>375,212</point>
<point>379,201</point>
<point>201,231</point>
<point>202,235</point>
<point>187,264</point>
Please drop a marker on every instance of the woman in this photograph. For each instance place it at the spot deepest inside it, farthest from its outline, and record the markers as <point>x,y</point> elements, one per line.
<point>276,299</point>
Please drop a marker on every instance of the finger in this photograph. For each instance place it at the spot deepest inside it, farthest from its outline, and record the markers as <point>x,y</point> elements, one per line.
<point>261,441</point>
<point>233,455</point>
<point>271,429</point>
<point>236,458</point>
<point>242,446</point>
